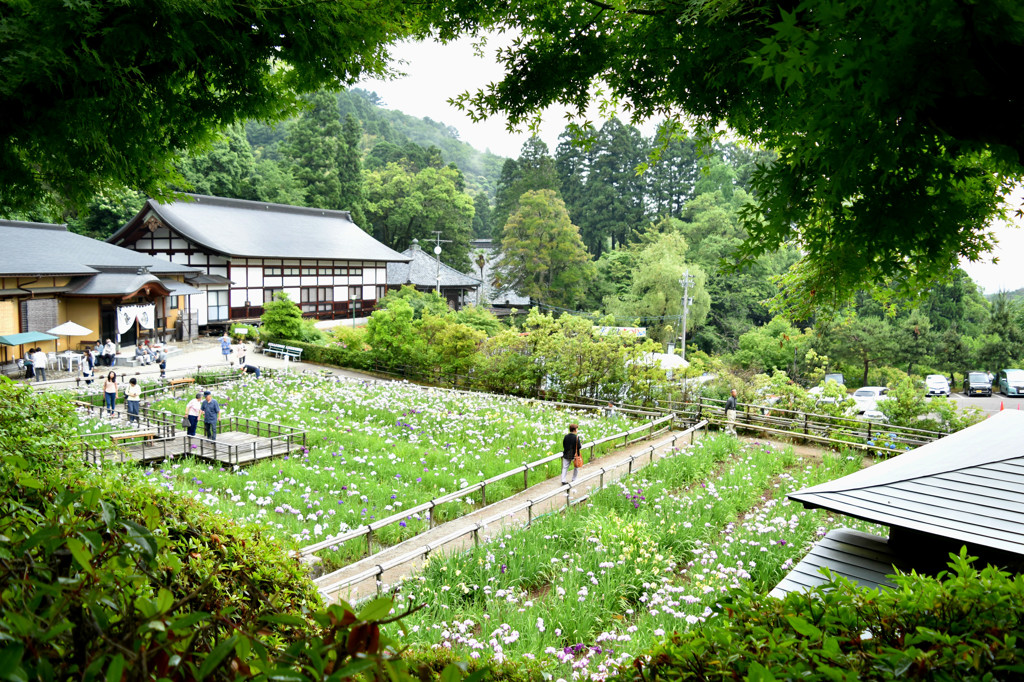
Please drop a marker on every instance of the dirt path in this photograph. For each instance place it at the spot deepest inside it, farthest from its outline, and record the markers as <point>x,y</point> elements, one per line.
<point>615,464</point>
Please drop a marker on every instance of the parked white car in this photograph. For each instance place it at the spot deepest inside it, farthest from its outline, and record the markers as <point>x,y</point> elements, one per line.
<point>936,384</point>
<point>867,397</point>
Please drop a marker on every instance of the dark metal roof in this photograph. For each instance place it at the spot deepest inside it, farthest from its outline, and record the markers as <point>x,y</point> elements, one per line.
<point>968,487</point>
<point>209,279</point>
<point>179,288</point>
<point>114,284</point>
<point>422,271</point>
<point>256,229</point>
<point>41,249</point>
<point>863,558</point>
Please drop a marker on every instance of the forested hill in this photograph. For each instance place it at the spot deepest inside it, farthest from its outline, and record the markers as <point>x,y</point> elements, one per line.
<point>386,132</point>
<point>1014,295</point>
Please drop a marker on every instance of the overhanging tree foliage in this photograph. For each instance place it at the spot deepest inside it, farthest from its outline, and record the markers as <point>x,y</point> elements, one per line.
<point>98,94</point>
<point>896,131</point>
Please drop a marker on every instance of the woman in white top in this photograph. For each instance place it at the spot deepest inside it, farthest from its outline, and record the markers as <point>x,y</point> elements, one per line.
<point>39,361</point>
<point>132,398</point>
<point>192,410</point>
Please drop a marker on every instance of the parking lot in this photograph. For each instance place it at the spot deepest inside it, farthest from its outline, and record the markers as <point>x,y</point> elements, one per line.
<point>989,405</point>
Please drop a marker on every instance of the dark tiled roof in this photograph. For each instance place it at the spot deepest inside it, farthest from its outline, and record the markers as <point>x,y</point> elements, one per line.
<point>113,284</point>
<point>40,249</point>
<point>209,279</point>
<point>256,229</point>
<point>422,271</point>
<point>863,558</point>
<point>967,487</point>
<point>179,288</point>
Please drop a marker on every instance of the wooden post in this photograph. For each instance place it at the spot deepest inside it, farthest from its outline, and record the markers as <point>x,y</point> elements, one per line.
<point>369,540</point>
<point>483,495</point>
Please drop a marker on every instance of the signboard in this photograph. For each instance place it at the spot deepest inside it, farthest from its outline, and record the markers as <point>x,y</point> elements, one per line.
<point>636,332</point>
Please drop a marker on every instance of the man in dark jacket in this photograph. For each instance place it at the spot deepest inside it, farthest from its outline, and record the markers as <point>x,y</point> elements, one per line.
<point>730,413</point>
<point>571,444</point>
<point>211,412</point>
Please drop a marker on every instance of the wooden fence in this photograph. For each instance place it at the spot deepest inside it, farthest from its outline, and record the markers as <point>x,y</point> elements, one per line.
<point>641,432</point>
<point>475,528</point>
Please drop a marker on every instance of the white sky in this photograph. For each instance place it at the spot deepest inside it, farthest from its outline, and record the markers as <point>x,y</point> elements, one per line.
<point>438,72</point>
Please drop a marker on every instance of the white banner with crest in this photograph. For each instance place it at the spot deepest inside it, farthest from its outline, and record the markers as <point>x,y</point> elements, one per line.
<point>127,316</point>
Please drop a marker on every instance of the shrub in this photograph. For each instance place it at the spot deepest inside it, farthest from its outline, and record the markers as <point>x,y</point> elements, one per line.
<point>964,625</point>
<point>281,318</point>
<point>336,354</point>
<point>105,578</point>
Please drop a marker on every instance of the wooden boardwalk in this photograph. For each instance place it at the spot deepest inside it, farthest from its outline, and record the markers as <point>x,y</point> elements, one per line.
<point>234,448</point>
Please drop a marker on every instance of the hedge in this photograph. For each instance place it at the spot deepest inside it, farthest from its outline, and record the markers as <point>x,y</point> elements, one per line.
<point>965,624</point>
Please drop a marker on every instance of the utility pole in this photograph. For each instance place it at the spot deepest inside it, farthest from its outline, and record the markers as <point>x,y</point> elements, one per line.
<point>686,281</point>
<point>437,256</point>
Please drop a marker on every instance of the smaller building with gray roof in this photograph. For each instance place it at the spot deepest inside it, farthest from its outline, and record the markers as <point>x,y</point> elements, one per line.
<point>966,489</point>
<point>425,272</point>
<point>50,275</point>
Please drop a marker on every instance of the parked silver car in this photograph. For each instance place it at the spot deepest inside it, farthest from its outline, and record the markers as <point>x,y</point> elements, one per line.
<point>1011,382</point>
<point>936,384</point>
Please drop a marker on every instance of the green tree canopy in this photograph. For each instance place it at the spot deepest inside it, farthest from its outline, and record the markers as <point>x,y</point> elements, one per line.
<point>542,254</point>
<point>104,94</point>
<point>896,130</point>
<point>402,205</point>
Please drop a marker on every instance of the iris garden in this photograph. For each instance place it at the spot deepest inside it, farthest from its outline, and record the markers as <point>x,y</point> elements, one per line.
<point>576,594</point>
<point>582,592</point>
<point>375,448</point>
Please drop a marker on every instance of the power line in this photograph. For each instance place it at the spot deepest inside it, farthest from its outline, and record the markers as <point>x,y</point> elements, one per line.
<point>598,316</point>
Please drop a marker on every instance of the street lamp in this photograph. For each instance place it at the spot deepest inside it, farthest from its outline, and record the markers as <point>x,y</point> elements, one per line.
<point>686,281</point>
<point>437,256</point>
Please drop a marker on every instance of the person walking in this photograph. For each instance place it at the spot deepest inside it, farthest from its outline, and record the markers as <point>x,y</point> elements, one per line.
<point>110,393</point>
<point>192,411</point>
<point>571,447</point>
<point>225,347</point>
<point>39,361</point>
<point>730,413</point>
<point>132,398</point>
<point>211,411</point>
<point>161,358</point>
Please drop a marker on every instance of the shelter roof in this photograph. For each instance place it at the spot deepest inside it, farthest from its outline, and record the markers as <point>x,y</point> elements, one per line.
<point>41,249</point>
<point>25,337</point>
<point>860,557</point>
<point>115,284</point>
<point>968,486</point>
<point>257,229</point>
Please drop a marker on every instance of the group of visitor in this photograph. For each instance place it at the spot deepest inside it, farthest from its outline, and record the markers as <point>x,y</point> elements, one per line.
<point>204,404</point>
<point>36,363</point>
<point>105,353</point>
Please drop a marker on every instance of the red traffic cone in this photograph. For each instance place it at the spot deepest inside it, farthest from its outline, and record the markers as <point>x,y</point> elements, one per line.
<point>1000,405</point>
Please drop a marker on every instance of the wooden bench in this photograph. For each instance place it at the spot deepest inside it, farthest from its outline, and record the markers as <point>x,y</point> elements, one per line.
<point>292,353</point>
<point>182,382</point>
<point>129,435</point>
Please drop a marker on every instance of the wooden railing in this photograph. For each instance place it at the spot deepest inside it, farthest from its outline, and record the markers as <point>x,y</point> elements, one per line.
<point>643,431</point>
<point>474,529</point>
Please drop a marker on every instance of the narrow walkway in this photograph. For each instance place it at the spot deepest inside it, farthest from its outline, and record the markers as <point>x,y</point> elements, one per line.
<point>615,465</point>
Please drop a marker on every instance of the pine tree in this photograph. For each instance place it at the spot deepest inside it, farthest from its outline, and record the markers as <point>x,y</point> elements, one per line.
<point>350,171</point>
<point>314,146</point>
